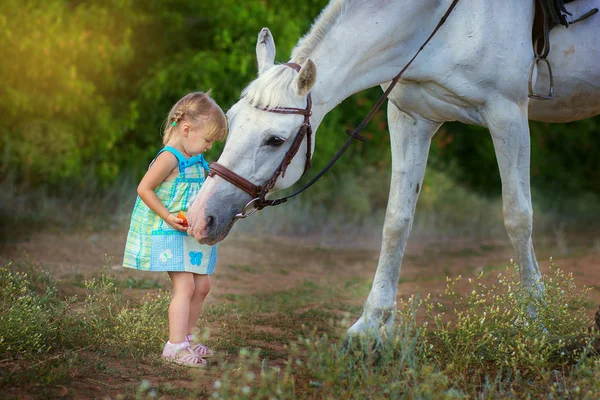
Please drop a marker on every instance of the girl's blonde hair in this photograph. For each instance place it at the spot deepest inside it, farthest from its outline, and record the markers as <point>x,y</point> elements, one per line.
<point>197,108</point>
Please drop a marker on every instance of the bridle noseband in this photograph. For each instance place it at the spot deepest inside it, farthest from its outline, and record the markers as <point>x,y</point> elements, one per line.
<point>259,193</point>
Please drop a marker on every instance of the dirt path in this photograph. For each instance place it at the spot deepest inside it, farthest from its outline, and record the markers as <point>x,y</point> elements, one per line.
<point>252,264</point>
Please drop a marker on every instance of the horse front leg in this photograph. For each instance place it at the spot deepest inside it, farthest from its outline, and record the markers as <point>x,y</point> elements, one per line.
<point>509,128</point>
<point>410,139</point>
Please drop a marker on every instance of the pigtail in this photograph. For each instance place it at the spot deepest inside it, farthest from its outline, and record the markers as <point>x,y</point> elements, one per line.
<point>177,113</point>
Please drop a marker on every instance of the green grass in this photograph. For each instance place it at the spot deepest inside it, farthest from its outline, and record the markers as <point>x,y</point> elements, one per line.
<point>290,344</point>
<point>245,268</point>
<point>139,283</point>
<point>129,283</point>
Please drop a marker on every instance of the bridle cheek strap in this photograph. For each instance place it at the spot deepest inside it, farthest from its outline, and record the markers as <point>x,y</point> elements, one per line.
<point>257,192</point>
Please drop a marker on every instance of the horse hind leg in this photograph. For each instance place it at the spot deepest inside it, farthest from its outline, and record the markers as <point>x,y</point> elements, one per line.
<point>509,128</point>
<point>410,139</point>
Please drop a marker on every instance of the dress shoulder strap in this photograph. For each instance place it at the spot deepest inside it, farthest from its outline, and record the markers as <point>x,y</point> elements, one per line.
<point>184,162</point>
<point>173,151</point>
<point>181,160</point>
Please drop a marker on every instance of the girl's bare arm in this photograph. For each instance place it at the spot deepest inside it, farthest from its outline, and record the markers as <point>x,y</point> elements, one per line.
<point>161,168</point>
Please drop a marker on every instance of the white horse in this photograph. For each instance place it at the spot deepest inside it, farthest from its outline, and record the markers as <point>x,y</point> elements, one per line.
<point>475,70</point>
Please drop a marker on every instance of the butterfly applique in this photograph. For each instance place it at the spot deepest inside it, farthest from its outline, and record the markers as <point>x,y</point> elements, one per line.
<point>195,257</point>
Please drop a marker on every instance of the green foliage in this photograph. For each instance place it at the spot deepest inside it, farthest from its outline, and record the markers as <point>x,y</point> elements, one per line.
<point>451,208</point>
<point>61,70</point>
<point>115,323</point>
<point>223,60</point>
<point>143,327</point>
<point>87,86</point>
<point>564,157</point>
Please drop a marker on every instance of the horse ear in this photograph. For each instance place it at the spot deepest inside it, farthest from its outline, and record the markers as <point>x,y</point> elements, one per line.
<point>265,50</point>
<point>306,78</point>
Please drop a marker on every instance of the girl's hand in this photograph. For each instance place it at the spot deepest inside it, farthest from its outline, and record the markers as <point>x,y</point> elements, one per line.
<point>176,223</point>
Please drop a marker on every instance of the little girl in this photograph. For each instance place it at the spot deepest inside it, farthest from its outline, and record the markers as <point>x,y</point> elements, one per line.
<point>158,240</point>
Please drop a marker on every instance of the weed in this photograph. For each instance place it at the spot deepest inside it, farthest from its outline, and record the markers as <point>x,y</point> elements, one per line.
<point>484,344</point>
<point>28,309</point>
<point>37,325</point>
<point>139,283</point>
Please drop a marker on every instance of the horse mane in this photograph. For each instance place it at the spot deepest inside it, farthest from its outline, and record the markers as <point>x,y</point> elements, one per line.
<point>326,20</point>
<point>273,88</point>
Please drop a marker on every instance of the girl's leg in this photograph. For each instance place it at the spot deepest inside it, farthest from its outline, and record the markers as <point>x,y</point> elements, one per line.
<point>179,309</point>
<point>202,287</point>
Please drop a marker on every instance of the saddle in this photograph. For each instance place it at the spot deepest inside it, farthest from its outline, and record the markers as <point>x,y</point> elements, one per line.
<point>548,14</point>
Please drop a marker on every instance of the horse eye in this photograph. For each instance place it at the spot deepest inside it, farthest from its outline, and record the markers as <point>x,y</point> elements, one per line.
<point>274,141</point>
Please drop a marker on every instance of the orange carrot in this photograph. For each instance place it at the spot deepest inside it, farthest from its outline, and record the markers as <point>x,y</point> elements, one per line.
<point>181,215</point>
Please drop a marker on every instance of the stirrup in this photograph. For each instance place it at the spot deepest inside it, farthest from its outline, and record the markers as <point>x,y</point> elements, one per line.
<point>540,57</point>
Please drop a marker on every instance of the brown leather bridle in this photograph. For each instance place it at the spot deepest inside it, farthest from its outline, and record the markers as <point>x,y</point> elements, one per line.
<point>259,193</point>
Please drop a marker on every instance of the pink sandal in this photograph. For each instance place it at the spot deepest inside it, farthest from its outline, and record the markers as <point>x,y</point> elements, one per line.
<point>199,349</point>
<point>182,354</point>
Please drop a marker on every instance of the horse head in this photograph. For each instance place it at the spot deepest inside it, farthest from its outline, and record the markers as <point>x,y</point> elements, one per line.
<point>257,143</point>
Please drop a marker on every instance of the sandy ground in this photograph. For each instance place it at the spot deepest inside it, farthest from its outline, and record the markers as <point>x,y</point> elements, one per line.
<point>426,264</point>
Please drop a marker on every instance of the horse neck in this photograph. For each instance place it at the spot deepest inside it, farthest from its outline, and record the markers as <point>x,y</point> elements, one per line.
<point>372,41</point>
<point>368,45</point>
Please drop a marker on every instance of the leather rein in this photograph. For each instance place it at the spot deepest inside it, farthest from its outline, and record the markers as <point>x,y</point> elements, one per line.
<point>258,193</point>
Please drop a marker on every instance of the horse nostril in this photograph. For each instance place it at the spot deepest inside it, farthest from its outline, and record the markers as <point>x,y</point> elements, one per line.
<point>210,222</point>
